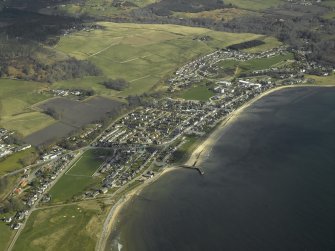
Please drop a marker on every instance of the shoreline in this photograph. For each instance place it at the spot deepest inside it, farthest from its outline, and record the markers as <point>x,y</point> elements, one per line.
<point>199,154</point>
<point>197,157</point>
<point>114,212</point>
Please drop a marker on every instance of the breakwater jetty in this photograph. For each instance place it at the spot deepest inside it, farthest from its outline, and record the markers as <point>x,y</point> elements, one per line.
<point>199,169</point>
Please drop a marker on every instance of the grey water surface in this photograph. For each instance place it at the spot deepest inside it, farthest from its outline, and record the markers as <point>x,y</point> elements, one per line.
<point>269,184</point>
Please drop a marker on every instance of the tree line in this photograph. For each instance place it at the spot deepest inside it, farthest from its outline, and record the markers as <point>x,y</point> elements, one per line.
<point>303,27</point>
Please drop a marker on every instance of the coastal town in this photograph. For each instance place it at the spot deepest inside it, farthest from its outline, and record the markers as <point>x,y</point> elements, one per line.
<point>166,125</point>
<point>142,142</point>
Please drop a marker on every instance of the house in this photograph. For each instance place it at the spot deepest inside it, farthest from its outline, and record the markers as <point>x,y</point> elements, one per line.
<point>8,220</point>
<point>219,89</point>
<point>20,215</point>
<point>95,194</point>
<point>226,83</point>
<point>18,191</point>
<point>16,226</point>
<point>149,174</point>
<point>103,190</point>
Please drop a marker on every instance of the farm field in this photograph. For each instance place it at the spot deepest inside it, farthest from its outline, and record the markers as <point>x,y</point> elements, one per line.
<point>80,113</point>
<point>331,5</point>
<point>49,134</point>
<point>265,63</point>
<point>16,98</point>
<point>269,43</point>
<point>254,4</point>
<point>328,80</point>
<point>98,8</point>
<point>28,123</point>
<point>218,14</point>
<point>13,162</point>
<point>49,229</point>
<point>201,93</point>
<point>71,115</point>
<point>330,15</point>
<point>328,3</point>
<point>7,184</point>
<point>142,54</point>
<point>5,235</point>
<point>233,67</point>
<point>77,179</point>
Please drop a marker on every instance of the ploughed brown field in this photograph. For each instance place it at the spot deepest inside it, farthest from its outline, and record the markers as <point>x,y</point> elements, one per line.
<point>72,115</point>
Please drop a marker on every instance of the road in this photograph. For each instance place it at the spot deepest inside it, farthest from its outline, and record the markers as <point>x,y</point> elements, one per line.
<point>120,190</point>
<point>105,229</point>
<point>33,208</point>
<point>78,153</point>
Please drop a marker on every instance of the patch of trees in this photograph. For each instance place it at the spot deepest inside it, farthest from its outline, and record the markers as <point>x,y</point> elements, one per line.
<point>32,26</point>
<point>246,45</point>
<point>14,48</point>
<point>3,183</point>
<point>28,25</point>
<point>32,4</point>
<point>50,111</point>
<point>70,69</point>
<point>134,101</point>
<point>28,68</point>
<point>116,84</point>
<point>296,31</point>
<point>29,159</point>
<point>12,204</point>
<point>144,99</point>
<point>301,27</point>
<point>13,139</point>
<point>203,38</point>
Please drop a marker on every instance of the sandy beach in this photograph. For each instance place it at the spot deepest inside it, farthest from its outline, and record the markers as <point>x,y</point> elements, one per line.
<point>202,151</point>
<point>112,217</point>
<point>196,158</point>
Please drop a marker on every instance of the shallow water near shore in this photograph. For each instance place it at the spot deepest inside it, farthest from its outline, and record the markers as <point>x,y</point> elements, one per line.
<point>269,184</point>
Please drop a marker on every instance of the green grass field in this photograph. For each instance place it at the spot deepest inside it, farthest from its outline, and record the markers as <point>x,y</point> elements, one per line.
<point>96,8</point>
<point>77,178</point>
<point>330,15</point>
<point>7,185</point>
<point>16,98</point>
<point>228,67</point>
<point>27,123</point>
<point>232,67</point>
<point>265,63</point>
<point>217,14</point>
<point>5,235</point>
<point>328,80</point>
<point>86,165</point>
<point>328,3</point>
<point>269,43</point>
<point>12,162</point>
<point>143,54</point>
<point>201,93</point>
<point>72,228</point>
<point>254,4</point>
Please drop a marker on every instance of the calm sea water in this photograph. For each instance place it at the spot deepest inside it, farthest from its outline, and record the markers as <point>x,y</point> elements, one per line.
<point>269,185</point>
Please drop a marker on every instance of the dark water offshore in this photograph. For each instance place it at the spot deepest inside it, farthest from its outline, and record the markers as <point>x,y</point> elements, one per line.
<point>269,184</point>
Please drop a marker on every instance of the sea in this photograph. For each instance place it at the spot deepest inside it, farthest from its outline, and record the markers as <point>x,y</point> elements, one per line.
<point>269,184</point>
